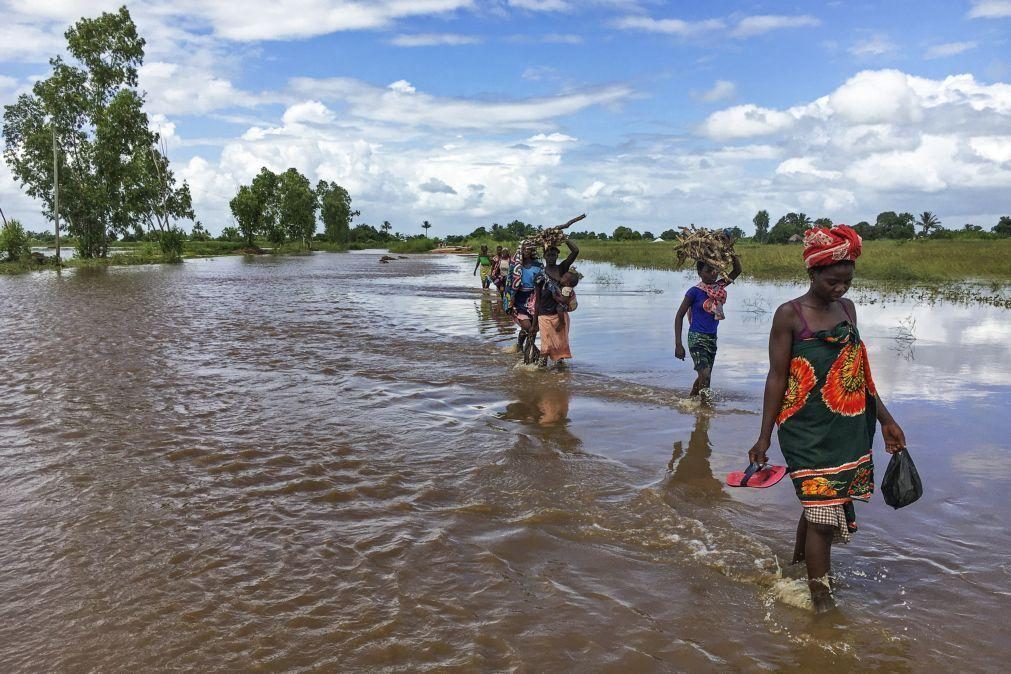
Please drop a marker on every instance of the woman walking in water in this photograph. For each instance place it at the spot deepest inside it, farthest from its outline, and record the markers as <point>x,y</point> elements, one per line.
<point>553,304</point>
<point>524,298</point>
<point>821,394</point>
<point>484,264</point>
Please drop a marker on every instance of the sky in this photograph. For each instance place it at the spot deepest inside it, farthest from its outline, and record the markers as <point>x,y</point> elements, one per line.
<point>640,113</point>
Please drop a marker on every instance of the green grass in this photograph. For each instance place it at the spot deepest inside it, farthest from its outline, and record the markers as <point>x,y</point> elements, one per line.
<point>417,245</point>
<point>891,261</point>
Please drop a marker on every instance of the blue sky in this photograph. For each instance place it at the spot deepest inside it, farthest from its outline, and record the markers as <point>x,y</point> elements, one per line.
<point>638,112</point>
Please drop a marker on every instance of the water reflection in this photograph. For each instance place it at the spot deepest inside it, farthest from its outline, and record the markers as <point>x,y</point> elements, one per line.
<point>544,408</point>
<point>492,320</point>
<point>691,474</point>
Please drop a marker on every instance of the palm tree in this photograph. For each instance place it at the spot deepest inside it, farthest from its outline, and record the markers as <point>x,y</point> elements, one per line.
<point>386,226</point>
<point>928,221</point>
<point>426,225</point>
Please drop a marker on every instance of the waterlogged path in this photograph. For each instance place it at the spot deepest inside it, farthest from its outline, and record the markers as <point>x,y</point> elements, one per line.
<point>327,463</point>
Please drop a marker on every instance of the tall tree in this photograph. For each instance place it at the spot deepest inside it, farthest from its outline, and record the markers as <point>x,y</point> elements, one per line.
<point>892,225</point>
<point>265,190</point>
<point>335,205</point>
<point>865,230</point>
<point>386,227</point>
<point>1003,226</point>
<point>787,226</point>
<point>297,205</point>
<point>928,221</point>
<point>426,225</point>
<point>823,222</point>
<point>761,221</point>
<point>248,213</point>
<point>112,175</point>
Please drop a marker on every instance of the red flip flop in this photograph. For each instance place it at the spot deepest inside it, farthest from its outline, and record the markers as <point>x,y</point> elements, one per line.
<point>758,476</point>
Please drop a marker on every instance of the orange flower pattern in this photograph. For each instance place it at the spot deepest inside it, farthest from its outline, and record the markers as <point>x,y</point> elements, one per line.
<point>829,415</point>
<point>801,382</point>
<point>862,485</point>
<point>845,388</point>
<point>818,486</point>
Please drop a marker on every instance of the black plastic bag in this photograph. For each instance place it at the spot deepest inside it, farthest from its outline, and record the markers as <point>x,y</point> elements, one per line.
<point>901,485</point>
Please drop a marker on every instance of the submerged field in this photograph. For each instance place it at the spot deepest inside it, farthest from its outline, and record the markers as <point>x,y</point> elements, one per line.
<point>892,261</point>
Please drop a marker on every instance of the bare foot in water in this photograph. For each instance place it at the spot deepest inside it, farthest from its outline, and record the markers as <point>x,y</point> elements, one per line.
<point>821,596</point>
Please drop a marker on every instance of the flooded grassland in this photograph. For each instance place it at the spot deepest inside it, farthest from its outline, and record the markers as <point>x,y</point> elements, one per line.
<point>323,462</point>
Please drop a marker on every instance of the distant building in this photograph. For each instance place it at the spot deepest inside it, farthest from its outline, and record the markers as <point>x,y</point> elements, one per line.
<point>659,240</point>
<point>796,238</point>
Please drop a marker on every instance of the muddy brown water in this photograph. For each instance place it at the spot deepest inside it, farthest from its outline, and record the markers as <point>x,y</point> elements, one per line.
<point>324,463</point>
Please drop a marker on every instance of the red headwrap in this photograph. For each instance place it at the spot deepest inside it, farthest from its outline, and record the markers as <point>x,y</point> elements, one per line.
<point>824,246</point>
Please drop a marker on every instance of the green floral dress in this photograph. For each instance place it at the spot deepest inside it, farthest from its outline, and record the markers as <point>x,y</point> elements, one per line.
<point>827,420</point>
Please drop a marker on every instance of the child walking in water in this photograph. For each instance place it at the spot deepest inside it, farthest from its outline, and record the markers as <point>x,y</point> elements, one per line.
<point>704,305</point>
<point>484,263</point>
<point>821,394</point>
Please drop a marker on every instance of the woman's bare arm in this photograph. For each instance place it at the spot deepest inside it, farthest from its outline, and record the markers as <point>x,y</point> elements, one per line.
<point>780,350</point>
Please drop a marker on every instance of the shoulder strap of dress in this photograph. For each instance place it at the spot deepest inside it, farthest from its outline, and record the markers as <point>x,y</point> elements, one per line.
<point>796,307</point>
<point>846,311</point>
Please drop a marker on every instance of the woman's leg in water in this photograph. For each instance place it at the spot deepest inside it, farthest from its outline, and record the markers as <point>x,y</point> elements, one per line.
<point>818,556</point>
<point>798,547</point>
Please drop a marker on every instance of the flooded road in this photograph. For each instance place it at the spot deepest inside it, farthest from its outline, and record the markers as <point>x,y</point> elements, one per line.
<point>326,463</point>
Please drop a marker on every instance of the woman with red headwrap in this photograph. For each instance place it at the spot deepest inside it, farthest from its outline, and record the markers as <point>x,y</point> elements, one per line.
<point>820,393</point>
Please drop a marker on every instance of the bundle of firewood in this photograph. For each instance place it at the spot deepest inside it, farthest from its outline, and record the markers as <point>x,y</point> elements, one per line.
<point>709,245</point>
<point>554,236</point>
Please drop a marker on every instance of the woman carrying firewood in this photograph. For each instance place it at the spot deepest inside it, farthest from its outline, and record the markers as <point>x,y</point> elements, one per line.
<point>704,304</point>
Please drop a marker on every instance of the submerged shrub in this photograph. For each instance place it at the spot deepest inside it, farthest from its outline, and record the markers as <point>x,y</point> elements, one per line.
<point>171,243</point>
<point>14,242</point>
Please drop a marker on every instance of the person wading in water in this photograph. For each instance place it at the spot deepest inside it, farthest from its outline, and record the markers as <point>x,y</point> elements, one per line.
<point>524,298</point>
<point>484,264</point>
<point>552,321</point>
<point>704,305</point>
<point>821,394</point>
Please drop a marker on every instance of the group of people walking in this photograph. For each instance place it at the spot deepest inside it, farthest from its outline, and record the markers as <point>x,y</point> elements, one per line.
<point>539,295</point>
<point>819,390</point>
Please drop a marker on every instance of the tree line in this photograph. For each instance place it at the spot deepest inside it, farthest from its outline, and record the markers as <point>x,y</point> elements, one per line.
<point>887,225</point>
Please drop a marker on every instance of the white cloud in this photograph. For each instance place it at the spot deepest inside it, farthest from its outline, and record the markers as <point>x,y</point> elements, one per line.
<point>876,45</point>
<point>743,121</point>
<point>436,186</point>
<point>748,26</point>
<point>884,132</point>
<point>307,113</point>
<point>669,26</point>
<point>804,166</point>
<point>272,20</point>
<point>561,38</point>
<point>990,9</point>
<point>433,39</point>
<point>255,20</point>
<point>948,49</point>
<point>542,5</point>
<point>876,96</point>
<point>928,168</point>
<point>756,25</point>
<point>721,90</point>
<point>174,88</point>
<point>401,104</point>
<point>24,41</point>
<point>992,148</point>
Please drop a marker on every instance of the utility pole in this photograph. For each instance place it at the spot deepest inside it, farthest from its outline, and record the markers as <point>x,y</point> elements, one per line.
<point>56,195</point>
